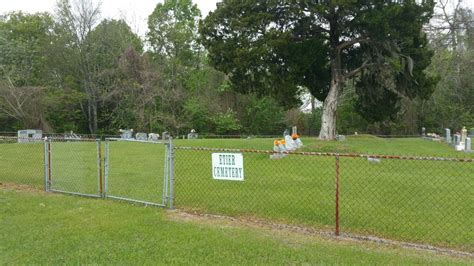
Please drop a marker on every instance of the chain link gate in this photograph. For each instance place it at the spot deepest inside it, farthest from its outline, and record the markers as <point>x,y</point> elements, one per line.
<point>132,171</point>
<point>73,166</point>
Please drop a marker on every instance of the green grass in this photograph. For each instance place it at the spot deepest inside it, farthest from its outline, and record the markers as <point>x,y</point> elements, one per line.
<point>39,228</point>
<point>136,170</point>
<point>418,201</point>
<point>354,144</point>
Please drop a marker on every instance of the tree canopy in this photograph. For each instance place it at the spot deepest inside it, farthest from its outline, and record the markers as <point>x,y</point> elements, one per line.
<point>274,47</point>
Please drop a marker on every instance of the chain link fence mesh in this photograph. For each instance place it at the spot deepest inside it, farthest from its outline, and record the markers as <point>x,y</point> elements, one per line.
<point>422,201</point>
<point>22,162</point>
<point>275,189</point>
<point>419,200</point>
<point>413,199</point>
<point>136,171</point>
<point>74,166</point>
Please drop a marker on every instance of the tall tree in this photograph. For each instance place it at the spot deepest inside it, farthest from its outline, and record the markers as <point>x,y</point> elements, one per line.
<point>172,37</point>
<point>321,45</point>
<point>452,37</point>
<point>76,19</point>
<point>24,41</point>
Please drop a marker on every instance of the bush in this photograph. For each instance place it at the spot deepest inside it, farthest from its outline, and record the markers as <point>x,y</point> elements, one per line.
<point>227,123</point>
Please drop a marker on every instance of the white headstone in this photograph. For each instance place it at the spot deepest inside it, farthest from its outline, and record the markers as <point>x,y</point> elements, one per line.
<point>463,134</point>
<point>294,130</point>
<point>448,135</point>
<point>141,136</point>
<point>290,145</point>
<point>468,147</point>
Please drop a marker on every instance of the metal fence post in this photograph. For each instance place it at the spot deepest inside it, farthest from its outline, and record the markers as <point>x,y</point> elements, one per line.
<point>46,164</point>
<point>106,167</point>
<point>171,175</point>
<point>49,183</point>
<point>337,195</point>
<point>99,167</point>
<point>166,174</point>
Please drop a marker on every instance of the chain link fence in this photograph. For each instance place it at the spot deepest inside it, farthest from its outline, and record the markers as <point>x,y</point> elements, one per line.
<point>415,199</point>
<point>137,171</point>
<point>74,166</point>
<point>21,162</point>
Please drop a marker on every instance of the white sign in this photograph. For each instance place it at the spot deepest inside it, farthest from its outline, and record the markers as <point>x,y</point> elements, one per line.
<point>228,166</point>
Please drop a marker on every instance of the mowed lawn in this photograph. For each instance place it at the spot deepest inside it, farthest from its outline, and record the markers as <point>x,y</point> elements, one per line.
<point>40,228</point>
<point>418,201</point>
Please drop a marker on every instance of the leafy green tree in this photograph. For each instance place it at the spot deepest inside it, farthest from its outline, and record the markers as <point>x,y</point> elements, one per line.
<point>110,42</point>
<point>331,42</point>
<point>75,20</point>
<point>227,122</point>
<point>262,116</point>
<point>24,41</point>
<point>172,31</point>
<point>172,38</point>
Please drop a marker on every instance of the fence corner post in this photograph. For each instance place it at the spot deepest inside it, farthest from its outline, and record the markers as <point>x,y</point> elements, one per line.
<point>171,174</point>
<point>337,230</point>
<point>99,167</point>
<point>106,167</point>
<point>46,163</point>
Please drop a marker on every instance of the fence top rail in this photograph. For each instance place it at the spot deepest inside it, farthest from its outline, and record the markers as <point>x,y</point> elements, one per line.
<point>57,139</point>
<point>62,139</point>
<point>136,140</point>
<point>333,154</point>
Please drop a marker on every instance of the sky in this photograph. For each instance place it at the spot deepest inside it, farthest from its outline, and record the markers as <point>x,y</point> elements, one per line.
<point>135,12</point>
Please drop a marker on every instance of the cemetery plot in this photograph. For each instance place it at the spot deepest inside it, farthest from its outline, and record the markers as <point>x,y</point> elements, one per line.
<point>136,171</point>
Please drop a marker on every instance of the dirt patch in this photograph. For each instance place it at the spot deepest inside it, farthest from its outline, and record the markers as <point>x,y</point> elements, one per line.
<point>303,234</point>
<point>19,187</point>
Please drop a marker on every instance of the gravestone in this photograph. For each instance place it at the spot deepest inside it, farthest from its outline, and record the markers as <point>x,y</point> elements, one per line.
<point>468,147</point>
<point>290,144</point>
<point>29,135</point>
<point>340,138</point>
<point>276,149</point>
<point>457,139</point>
<point>192,134</point>
<point>448,135</point>
<point>126,133</point>
<point>423,131</point>
<point>141,136</point>
<point>153,137</point>
<point>458,145</point>
<point>294,130</point>
<point>165,135</point>
<point>463,134</point>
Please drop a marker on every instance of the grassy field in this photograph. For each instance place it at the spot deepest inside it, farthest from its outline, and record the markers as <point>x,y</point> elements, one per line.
<point>39,228</point>
<point>355,144</point>
<point>418,201</point>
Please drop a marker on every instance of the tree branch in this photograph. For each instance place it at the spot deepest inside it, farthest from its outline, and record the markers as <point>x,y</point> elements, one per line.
<point>348,44</point>
<point>356,71</point>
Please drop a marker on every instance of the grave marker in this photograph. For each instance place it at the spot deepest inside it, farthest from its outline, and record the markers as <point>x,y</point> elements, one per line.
<point>448,135</point>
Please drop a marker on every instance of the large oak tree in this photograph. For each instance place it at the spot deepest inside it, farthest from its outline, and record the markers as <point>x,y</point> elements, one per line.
<point>276,47</point>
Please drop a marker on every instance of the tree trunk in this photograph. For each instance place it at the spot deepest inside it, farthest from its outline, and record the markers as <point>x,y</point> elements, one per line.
<point>94,117</point>
<point>328,120</point>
